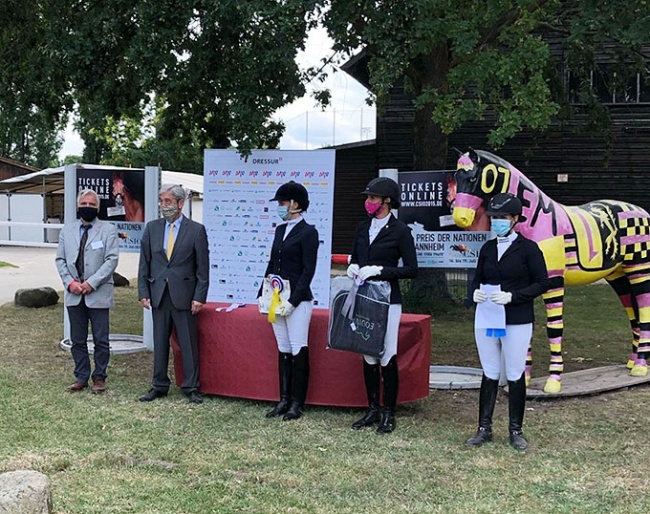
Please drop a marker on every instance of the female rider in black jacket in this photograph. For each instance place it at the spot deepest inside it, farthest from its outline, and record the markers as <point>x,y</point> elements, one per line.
<point>379,244</point>
<point>293,257</point>
<point>516,264</point>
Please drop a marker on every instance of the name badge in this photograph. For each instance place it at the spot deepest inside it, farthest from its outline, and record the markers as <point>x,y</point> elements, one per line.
<point>96,244</point>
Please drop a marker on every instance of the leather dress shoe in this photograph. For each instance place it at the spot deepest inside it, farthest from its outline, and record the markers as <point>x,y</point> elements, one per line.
<point>152,394</point>
<point>99,386</point>
<point>76,387</point>
<point>195,397</point>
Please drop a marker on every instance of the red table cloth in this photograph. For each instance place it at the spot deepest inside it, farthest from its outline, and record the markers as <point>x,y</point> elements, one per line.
<point>238,357</point>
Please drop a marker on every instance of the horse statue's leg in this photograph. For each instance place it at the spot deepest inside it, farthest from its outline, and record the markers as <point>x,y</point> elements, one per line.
<point>623,289</point>
<point>554,303</point>
<point>529,364</point>
<point>639,277</point>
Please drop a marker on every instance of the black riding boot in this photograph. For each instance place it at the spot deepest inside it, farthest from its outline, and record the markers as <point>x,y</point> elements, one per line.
<point>300,383</point>
<point>371,378</point>
<point>285,372</point>
<point>390,374</point>
<point>487,399</point>
<point>516,408</point>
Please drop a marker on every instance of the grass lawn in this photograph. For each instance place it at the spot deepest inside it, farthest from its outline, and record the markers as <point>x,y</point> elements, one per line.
<point>112,454</point>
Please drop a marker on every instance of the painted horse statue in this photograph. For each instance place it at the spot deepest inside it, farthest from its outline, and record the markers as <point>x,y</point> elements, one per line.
<point>581,244</point>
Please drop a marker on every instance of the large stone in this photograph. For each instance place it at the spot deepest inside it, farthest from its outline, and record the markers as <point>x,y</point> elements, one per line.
<point>38,297</point>
<point>25,492</point>
<point>120,281</point>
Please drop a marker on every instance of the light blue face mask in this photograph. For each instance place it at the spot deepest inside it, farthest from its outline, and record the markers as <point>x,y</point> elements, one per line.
<point>283,212</point>
<point>500,227</point>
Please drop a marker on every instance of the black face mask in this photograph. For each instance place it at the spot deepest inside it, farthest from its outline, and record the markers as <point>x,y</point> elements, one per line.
<point>87,213</point>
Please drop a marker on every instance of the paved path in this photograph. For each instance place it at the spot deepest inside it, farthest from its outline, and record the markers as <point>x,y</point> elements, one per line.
<point>35,268</point>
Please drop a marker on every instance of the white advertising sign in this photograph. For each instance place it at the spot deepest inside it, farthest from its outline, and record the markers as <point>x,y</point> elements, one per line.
<point>240,218</point>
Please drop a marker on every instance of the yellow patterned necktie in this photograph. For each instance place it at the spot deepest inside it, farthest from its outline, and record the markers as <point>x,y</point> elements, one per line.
<point>170,241</point>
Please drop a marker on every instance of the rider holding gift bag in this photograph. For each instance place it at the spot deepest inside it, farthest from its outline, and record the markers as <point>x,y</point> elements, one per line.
<point>293,260</point>
<point>379,244</point>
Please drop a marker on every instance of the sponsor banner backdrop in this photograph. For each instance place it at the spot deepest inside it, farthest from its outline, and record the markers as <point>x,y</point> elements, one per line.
<point>426,204</point>
<point>121,201</point>
<point>240,218</point>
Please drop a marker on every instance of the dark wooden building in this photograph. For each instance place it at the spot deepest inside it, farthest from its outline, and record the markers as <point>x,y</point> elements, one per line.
<point>611,163</point>
<point>356,165</point>
<point>10,168</point>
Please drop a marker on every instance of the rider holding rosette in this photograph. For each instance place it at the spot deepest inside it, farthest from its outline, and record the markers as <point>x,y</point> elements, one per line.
<point>293,263</point>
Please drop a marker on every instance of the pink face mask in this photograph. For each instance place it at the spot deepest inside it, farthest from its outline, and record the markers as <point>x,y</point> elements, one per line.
<point>372,208</point>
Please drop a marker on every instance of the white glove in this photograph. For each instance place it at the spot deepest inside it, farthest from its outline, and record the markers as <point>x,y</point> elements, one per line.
<point>353,269</point>
<point>259,302</point>
<point>370,271</point>
<point>501,297</point>
<point>286,308</point>
<point>479,296</point>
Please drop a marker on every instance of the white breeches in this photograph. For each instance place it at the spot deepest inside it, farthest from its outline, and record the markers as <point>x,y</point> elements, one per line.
<point>390,340</point>
<point>514,346</point>
<point>291,332</point>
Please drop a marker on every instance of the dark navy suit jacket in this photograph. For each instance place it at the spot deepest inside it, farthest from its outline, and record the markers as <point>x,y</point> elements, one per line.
<point>186,273</point>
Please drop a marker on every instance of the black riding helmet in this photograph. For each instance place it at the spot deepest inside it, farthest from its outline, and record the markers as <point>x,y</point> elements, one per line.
<point>384,187</point>
<point>292,191</point>
<point>505,203</point>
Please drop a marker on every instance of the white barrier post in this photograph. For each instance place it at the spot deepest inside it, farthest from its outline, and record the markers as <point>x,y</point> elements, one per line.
<point>152,188</point>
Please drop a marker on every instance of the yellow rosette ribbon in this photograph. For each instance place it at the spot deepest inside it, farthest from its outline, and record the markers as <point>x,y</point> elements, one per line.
<point>275,303</point>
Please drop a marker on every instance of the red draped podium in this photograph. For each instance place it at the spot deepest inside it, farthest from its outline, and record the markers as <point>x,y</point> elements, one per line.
<point>238,356</point>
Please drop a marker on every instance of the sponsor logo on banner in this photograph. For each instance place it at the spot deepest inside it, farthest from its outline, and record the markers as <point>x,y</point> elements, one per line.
<point>242,218</point>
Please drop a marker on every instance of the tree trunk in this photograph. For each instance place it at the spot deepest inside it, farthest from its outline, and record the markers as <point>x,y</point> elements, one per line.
<point>430,290</point>
<point>429,143</point>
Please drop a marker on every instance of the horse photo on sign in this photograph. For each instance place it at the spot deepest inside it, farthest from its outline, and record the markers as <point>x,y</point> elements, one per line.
<point>581,244</point>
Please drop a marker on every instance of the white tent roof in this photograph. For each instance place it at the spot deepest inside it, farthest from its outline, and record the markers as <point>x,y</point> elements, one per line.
<point>51,180</point>
<point>189,181</point>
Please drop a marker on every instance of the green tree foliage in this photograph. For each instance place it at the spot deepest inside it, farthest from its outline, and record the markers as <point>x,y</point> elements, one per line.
<point>216,69</point>
<point>34,97</point>
<point>461,58</point>
<point>133,142</point>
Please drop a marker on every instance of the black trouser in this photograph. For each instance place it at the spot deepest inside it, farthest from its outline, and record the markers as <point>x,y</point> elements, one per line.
<point>165,317</point>
<point>79,316</point>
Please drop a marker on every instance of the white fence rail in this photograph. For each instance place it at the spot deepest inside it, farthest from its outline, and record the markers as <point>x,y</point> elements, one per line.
<point>50,237</point>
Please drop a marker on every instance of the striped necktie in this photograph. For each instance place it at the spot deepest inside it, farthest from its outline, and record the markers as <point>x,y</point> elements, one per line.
<point>170,241</point>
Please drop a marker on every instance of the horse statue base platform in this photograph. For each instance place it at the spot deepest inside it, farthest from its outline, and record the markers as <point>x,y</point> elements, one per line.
<point>586,382</point>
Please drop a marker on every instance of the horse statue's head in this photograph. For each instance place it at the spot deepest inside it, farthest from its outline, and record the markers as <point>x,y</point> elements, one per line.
<point>470,200</point>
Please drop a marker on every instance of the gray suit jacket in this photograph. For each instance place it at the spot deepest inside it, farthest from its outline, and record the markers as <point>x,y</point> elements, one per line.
<point>186,273</point>
<point>100,260</point>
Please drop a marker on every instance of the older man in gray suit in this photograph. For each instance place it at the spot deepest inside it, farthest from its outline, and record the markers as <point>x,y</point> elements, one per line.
<point>86,259</point>
<point>173,281</point>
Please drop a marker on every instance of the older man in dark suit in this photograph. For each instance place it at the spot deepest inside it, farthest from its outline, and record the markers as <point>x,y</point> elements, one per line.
<point>173,282</point>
